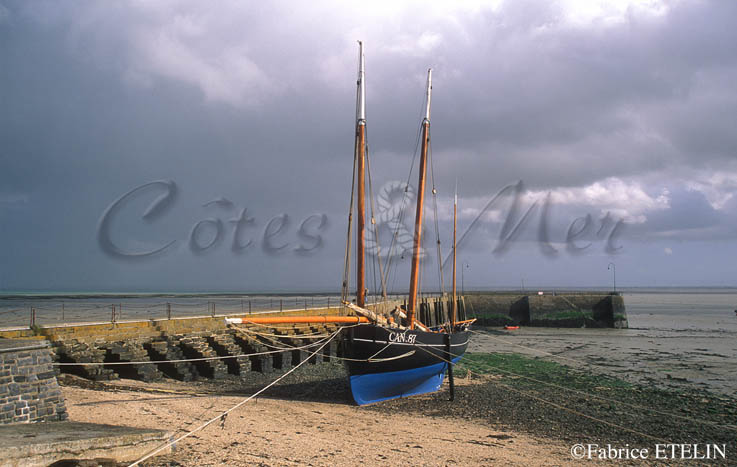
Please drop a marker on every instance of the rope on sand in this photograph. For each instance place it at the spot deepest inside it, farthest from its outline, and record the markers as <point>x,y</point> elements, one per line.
<point>593,396</point>
<point>590,396</point>
<point>225,413</point>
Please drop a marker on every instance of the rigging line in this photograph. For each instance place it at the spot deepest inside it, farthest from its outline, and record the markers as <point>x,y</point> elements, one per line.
<point>376,227</point>
<point>366,253</point>
<point>370,359</point>
<point>409,178</point>
<point>347,259</point>
<point>591,364</point>
<point>585,394</point>
<point>381,350</point>
<point>605,399</point>
<point>580,414</point>
<point>202,359</point>
<point>435,217</point>
<point>222,415</point>
<point>406,188</point>
<point>580,362</point>
<point>287,336</point>
<point>288,346</point>
<point>268,326</point>
<point>553,404</point>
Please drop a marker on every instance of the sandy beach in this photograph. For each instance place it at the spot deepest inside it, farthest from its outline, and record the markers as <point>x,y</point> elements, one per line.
<point>279,431</point>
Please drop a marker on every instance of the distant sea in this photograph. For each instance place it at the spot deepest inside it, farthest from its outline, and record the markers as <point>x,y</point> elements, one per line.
<point>702,309</point>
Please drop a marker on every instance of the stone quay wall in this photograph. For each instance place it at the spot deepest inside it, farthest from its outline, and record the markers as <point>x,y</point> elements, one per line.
<point>29,391</point>
<point>591,309</point>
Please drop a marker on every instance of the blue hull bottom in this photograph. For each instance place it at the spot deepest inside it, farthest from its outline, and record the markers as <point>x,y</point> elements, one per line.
<point>377,387</point>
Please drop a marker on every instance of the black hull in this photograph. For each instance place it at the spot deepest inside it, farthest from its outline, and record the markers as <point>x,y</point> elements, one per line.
<point>385,363</point>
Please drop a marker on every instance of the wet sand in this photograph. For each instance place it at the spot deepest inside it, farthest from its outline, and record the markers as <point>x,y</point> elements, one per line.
<point>675,358</point>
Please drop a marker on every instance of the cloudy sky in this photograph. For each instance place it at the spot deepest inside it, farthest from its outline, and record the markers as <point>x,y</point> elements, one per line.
<point>185,145</point>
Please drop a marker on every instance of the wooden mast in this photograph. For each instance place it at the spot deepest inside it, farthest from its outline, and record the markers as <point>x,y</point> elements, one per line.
<point>411,307</point>
<point>455,223</point>
<point>361,189</point>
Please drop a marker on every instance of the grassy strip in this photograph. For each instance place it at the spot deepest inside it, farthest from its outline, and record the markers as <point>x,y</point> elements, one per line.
<point>538,374</point>
<point>571,314</point>
<point>616,411</point>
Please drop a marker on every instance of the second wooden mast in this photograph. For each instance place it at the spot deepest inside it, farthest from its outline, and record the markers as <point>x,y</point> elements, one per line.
<point>361,188</point>
<point>415,274</point>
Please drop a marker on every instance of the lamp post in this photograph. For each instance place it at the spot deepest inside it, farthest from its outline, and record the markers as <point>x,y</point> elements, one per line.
<point>613,267</point>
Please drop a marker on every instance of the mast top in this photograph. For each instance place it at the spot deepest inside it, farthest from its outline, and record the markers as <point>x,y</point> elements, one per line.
<point>429,94</point>
<point>361,109</point>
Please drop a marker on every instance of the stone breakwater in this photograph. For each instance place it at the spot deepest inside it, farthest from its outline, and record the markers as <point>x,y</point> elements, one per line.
<point>28,388</point>
<point>600,310</point>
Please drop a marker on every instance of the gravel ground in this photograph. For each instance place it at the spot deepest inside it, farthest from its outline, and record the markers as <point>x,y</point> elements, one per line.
<point>307,420</point>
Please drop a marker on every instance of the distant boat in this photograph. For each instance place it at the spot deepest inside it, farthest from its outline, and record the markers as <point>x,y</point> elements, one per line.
<point>396,356</point>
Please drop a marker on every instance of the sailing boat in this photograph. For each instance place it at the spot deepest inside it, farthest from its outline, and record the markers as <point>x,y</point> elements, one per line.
<point>396,356</point>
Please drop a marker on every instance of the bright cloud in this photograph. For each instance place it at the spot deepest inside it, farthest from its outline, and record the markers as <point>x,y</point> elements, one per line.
<point>718,188</point>
<point>624,199</point>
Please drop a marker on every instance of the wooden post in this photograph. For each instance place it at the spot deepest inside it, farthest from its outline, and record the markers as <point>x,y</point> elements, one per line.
<point>249,305</point>
<point>33,317</point>
<point>168,310</point>
<point>451,382</point>
<point>112,316</point>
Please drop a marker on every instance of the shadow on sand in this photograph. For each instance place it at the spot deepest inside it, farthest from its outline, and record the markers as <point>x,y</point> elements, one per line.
<point>333,390</point>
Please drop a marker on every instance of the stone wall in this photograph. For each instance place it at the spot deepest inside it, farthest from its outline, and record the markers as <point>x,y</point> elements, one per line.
<point>549,310</point>
<point>29,391</point>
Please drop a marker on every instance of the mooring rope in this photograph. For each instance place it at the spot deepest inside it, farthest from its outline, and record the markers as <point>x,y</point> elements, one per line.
<point>287,336</point>
<point>587,395</point>
<point>580,362</point>
<point>266,352</point>
<point>580,414</point>
<point>181,360</point>
<point>225,413</point>
<point>370,359</point>
<point>558,406</point>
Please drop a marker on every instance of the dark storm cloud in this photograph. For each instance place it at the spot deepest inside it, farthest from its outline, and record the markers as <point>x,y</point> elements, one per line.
<point>627,111</point>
